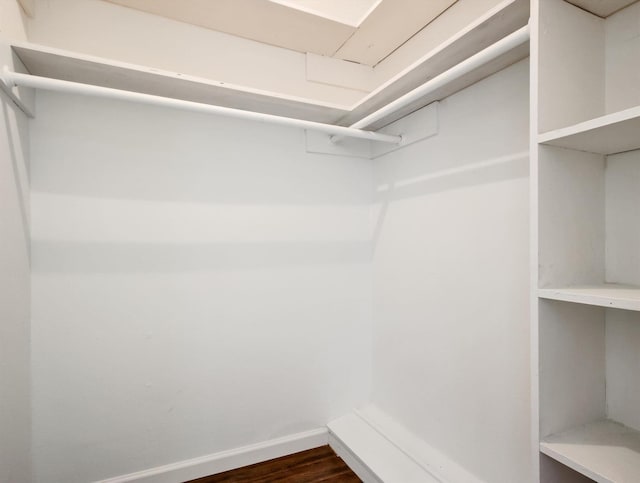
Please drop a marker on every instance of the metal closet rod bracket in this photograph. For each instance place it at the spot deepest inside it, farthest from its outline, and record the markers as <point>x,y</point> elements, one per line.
<point>7,85</point>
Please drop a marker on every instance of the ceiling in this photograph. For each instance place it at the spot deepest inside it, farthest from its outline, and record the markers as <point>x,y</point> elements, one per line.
<point>602,8</point>
<point>362,31</point>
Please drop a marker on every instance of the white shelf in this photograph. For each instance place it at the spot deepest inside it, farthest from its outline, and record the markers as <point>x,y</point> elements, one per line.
<point>504,19</point>
<point>610,134</point>
<point>609,295</point>
<point>605,451</point>
<point>71,66</point>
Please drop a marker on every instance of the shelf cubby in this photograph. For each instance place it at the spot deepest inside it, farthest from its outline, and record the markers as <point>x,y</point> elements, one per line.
<point>605,451</point>
<point>589,389</point>
<point>588,74</point>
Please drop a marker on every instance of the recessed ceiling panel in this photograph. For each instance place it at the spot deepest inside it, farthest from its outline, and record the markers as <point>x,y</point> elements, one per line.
<point>602,8</point>
<point>389,25</point>
<point>261,20</point>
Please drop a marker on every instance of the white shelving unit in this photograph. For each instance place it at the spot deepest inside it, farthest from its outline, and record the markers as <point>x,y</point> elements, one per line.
<point>507,17</point>
<point>586,239</point>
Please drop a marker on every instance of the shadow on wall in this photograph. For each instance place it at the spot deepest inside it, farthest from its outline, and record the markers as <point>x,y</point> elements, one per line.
<point>123,188</point>
<point>117,150</point>
<point>77,257</point>
<point>482,139</point>
<point>476,173</point>
<point>483,172</point>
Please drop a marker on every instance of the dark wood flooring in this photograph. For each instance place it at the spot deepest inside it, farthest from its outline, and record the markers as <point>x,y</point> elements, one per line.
<point>312,466</point>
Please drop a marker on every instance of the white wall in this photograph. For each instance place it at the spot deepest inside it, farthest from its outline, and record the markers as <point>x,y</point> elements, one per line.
<point>15,419</point>
<point>14,298</point>
<point>199,284</point>
<point>451,326</point>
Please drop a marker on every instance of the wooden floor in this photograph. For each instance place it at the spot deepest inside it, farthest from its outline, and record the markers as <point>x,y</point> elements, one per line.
<point>315,465</point>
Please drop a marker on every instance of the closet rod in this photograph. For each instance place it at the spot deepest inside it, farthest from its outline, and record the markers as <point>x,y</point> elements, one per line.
<point>483,57</point>
<point>12,79</point>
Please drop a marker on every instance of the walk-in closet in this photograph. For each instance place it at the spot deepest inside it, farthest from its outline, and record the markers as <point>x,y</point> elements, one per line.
<point>388,241</point>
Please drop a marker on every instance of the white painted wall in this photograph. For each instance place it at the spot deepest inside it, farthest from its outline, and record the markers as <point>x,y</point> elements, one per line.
<point>621,218</point>
<point>451,325</point>
<point>622,261</point>
<point>622,48</point>
<point>15,419</point>
<point>199,284</point>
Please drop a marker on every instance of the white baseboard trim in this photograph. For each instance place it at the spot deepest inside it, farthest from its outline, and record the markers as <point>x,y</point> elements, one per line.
<point>352,460</point>
<point>371,456</point>
<point>378,449</point>
<point>227,460</point>
<point>429,458</point>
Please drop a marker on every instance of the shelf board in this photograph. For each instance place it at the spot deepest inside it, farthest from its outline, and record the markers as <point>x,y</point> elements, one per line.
<point>608,295</point>
<point>610,134</point>
<point>502,20</point>
<point>505,18</point>
<point>605,451</point>
<point>61,64</point>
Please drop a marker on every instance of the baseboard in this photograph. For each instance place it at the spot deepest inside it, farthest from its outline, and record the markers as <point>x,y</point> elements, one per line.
<point>227,460</point>
<point>352,460</point>
<point>378,449</point>
<point>371,456</point>
<point>431,459</point>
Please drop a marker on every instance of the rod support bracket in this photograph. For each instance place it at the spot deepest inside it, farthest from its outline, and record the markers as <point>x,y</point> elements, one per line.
<point>7,85</point>
<point>5,77</point>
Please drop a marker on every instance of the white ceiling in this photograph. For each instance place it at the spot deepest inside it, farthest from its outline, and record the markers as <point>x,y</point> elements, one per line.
<point>602,8</point>
<point>363,31</point>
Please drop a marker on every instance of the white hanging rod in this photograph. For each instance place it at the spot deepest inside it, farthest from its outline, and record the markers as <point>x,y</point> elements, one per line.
<point>12,79</point>
<point>483,57</point>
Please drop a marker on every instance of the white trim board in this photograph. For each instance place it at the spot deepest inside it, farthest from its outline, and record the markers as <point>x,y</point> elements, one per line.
<point>227,460</point>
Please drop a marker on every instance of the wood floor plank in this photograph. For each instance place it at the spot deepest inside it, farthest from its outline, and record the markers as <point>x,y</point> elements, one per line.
<point>319,465</point>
